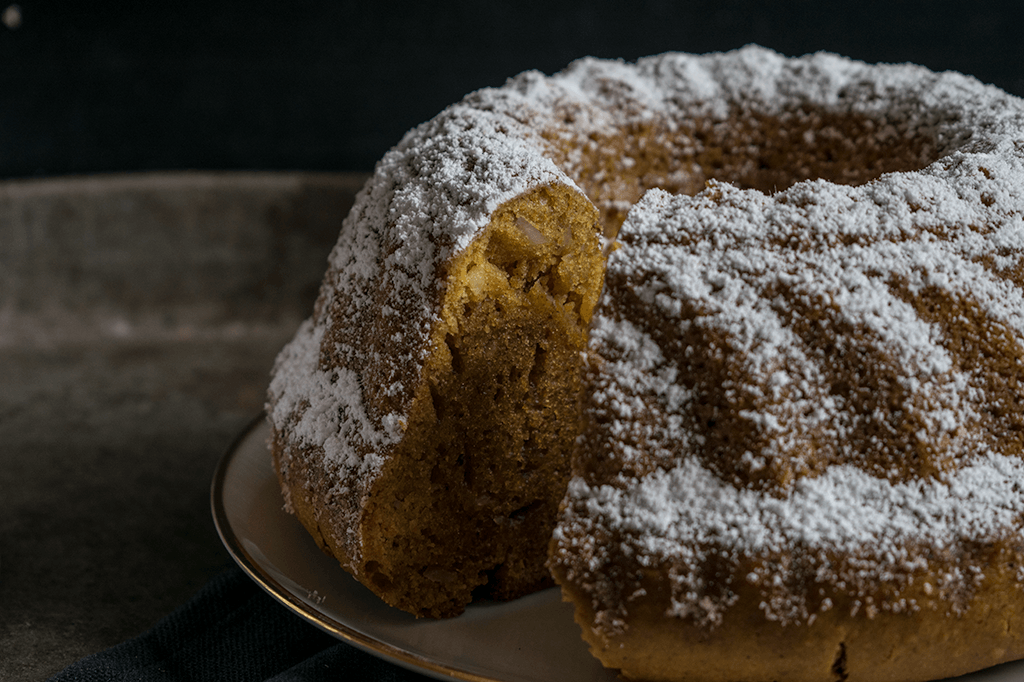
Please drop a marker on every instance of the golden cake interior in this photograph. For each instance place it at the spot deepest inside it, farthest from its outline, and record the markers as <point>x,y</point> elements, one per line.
<point>473,490</point>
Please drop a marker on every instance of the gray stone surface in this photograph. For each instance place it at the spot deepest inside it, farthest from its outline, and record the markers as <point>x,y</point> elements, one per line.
<point>139,317</point>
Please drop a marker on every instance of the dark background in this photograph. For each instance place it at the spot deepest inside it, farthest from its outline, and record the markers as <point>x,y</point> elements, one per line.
<point>280,85</point>
<point>140,314</point>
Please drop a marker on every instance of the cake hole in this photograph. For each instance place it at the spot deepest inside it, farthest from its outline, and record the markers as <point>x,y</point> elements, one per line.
<point>539,365</point>
<point>453,348</point>
<point>482,592</point>
<point>544,279</point>
<point>511,268</point>
<point>576,300</point>
<point>533,455</point>
<point>381,581</point>
<point>839,673</point>
<point>437,401</point>
<point>519,514</point>
<point>806,144</point>
<point>768,152</point>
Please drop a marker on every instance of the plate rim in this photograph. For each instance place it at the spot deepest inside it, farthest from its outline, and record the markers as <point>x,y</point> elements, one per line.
<point>279,592</point>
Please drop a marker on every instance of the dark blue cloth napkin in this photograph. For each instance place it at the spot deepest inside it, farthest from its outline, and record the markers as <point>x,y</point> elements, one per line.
<point>232,630</point>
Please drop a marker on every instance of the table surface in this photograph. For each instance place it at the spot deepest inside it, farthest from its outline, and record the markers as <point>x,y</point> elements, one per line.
<point>139,317</point>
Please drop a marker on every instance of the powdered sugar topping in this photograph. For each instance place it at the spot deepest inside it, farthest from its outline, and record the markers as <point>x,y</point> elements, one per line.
<point>829,380</point>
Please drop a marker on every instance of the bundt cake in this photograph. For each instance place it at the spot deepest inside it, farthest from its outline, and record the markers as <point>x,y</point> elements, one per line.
<point>804,420</point>
<point>802,456</point>
<point>833,319</point>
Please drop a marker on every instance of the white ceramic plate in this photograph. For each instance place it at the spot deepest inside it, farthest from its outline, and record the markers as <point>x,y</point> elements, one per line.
<point>533,639</point>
